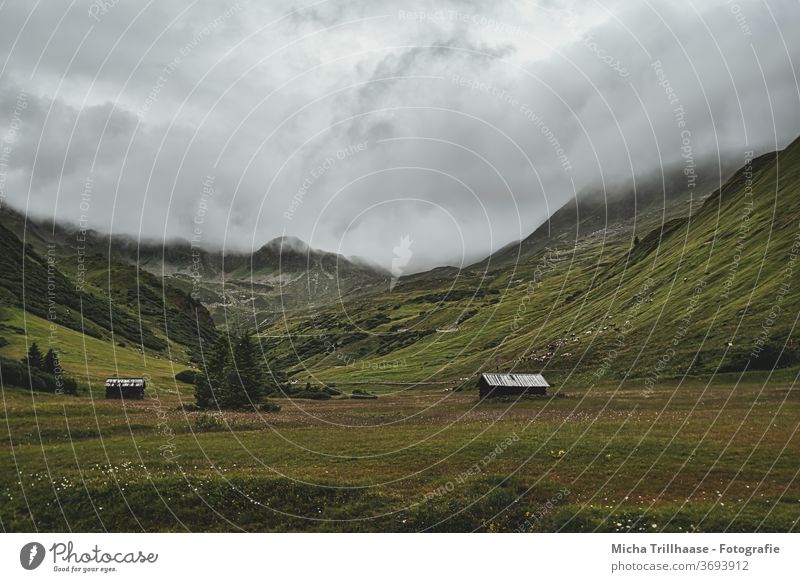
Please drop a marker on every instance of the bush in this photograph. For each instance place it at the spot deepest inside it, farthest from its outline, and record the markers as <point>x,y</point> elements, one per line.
<point>186,376</point>
<point>311,395</point>
<point>269,407</point>
<point>770,357</point>
<point>69,386</point>
<point>18,374</point>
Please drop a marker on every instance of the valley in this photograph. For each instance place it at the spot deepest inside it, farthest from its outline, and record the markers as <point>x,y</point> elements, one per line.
<point>667,329</point>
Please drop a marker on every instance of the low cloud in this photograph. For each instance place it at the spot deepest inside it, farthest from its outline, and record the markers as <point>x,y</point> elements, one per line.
<point>353,124</point>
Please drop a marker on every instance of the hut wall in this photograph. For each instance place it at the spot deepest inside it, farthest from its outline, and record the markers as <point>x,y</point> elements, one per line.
<point>498,391</point>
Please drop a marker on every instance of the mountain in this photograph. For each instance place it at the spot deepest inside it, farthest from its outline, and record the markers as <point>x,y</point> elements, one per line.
<point>102,299</point>
<point>653,281</point>
<point>632,207</point>
<point>677,284</point>
<point>285,274</point>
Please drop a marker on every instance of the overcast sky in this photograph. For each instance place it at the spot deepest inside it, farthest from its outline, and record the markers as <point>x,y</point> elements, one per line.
<point>351,124</point>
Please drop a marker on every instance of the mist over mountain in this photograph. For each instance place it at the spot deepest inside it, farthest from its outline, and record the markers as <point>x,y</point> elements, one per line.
<point>355,124</point>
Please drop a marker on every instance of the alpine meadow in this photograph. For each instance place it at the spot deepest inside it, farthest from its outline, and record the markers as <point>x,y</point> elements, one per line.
<point>438,267</point>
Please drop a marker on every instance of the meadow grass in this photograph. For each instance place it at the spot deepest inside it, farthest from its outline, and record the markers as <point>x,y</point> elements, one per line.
<point>89,360</point>
<point>691,457</point>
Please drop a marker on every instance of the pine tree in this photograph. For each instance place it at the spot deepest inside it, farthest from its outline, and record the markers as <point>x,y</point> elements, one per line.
<point>250,369</point>
<point>34,357</point>
<point>243,381</point>
<point>203,395</point>
<point>232,377</point>
<point>275,379</point>
<point>209,380</point>
<point>51,363</point>
<point>230,395</point>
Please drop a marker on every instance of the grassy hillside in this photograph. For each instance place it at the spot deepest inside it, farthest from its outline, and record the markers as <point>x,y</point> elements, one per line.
<point>171,311</point>
<point>89,360</point>
<point>36,284</point>
<point>694,294</point>
<point>104,300</point>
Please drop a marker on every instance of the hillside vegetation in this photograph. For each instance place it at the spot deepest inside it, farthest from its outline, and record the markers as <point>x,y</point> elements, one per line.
<point>701,285</point>
<point>105,300</point>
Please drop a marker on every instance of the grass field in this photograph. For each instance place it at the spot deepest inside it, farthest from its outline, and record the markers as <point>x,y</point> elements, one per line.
<point>683,457</point>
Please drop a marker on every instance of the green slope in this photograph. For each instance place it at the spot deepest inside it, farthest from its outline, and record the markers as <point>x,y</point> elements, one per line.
<point>692,295</point>
<point>87,359</point>
<point>105,300</point>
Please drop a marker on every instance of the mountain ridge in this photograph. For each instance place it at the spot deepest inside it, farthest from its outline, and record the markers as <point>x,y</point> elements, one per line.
<point>685,291</point>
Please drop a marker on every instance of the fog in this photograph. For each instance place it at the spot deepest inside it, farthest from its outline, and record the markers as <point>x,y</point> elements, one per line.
<point>457,126</point>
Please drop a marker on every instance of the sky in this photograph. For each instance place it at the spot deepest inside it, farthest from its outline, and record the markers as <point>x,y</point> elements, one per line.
<point>452,127</point>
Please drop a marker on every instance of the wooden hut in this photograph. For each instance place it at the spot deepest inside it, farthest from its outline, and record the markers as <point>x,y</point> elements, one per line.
<point>496,385</point>
<point>129,388</point>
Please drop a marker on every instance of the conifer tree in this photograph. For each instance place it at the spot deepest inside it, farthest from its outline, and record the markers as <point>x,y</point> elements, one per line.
<point>243,381</point>
<point>250,368</point>
<point>208,387</point>
<point>34,357</point>
<point>51,363</point>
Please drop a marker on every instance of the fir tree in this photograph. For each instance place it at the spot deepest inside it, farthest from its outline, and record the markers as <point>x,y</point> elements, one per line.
<point>243,381</point>
<point>51,363</point>
<point>230,395</point>
<point>250,368</point>
<point>208,387</point>
<point>34,357</point>
<point>231,377</point>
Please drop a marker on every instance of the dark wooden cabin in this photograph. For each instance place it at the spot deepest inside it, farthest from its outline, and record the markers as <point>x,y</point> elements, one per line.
<point>496,385</point>
<point>129,388</point>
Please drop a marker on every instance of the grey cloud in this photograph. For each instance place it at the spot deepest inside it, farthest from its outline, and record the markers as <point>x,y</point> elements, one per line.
<point>470,140</point>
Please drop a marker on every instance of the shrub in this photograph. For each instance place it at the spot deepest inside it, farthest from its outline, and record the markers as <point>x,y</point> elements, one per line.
<point>186,376</point>
<point>69,386</point>
<point>769,358</point>
<point>19,374</point>
<point>311,395</point>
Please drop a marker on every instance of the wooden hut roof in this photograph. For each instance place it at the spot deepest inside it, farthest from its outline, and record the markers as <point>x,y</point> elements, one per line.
<point>519,380</point>
<point>124,382</point>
